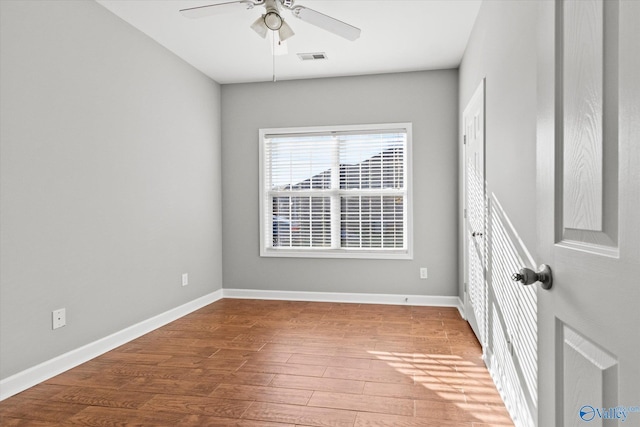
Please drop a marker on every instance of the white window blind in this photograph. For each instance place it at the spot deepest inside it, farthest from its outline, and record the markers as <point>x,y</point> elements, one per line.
<point>335,191</point>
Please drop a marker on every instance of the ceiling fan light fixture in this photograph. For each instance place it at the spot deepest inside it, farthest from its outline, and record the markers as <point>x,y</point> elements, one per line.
<point>273,21</point>
<point>285,31</point>
<point>260,27</point>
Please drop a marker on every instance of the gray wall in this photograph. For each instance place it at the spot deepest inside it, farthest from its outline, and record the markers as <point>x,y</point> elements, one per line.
<point>427,99</point>
<point>110,174</point>
<point>502,48</point>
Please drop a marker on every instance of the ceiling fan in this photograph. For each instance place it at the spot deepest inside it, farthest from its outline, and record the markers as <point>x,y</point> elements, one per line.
<point>272,18</point>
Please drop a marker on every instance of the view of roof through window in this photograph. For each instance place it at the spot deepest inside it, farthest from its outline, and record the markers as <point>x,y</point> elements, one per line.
<point>299,159</point>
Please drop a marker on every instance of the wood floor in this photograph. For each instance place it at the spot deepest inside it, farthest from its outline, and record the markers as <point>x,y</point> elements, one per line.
<point>256,363</point>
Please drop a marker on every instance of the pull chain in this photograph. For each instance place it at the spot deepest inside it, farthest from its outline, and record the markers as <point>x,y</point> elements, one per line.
<point>273,54</point>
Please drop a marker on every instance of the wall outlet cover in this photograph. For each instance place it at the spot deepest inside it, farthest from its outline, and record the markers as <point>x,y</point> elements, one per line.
<point>59,318</point>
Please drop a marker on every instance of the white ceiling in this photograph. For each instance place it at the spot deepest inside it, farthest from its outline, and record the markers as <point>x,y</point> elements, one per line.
<point>397,36</point>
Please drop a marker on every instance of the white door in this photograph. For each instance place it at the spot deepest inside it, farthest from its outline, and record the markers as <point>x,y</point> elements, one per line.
<point>588,209</point>
<point>474,212</point>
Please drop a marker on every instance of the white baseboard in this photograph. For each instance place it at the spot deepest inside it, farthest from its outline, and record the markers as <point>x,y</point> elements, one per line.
<point>42,372</point>
<point>422,300</point>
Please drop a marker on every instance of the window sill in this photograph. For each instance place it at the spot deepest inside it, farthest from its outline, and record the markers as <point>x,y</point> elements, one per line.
<point>402,254</point>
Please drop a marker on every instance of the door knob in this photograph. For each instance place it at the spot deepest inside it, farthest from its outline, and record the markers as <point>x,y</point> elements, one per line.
<point>527,276</point>
<point>476,233</point>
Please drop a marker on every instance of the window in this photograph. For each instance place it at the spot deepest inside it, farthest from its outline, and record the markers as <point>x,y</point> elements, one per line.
<point>338,191</point>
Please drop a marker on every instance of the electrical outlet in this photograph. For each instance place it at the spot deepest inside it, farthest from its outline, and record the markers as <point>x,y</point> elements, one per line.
<point>185,279</point>
<point>423,273</point>
<point>59,318</point>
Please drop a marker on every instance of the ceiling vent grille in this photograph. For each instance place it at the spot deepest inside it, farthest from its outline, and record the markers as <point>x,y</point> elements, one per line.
<point>316,56</point>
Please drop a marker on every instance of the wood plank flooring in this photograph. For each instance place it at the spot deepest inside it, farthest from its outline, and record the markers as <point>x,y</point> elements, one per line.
<point>250,363</point>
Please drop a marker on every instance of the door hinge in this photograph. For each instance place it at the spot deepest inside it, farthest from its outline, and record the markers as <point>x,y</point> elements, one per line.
<point>466,287</point>
<point>464,141</point>
<point>464,213</point>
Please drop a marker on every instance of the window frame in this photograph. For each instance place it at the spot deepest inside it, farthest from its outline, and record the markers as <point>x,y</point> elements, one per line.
<point>266,224</point>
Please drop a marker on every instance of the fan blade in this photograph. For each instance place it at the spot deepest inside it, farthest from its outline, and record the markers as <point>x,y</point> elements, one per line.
<point>217,8</point>
<point>325,22</point>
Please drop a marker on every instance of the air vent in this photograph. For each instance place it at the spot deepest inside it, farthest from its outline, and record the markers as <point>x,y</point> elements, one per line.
<point>317,56</point>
